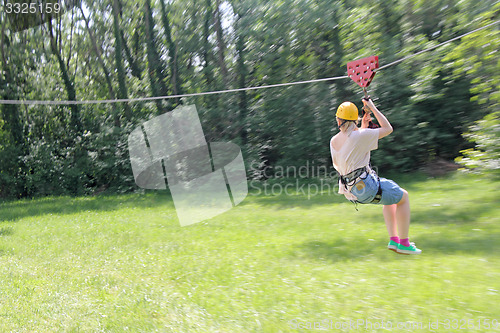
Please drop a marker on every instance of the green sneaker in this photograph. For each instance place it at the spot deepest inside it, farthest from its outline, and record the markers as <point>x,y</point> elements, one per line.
<point>393,246</point>
<point>412,249</point>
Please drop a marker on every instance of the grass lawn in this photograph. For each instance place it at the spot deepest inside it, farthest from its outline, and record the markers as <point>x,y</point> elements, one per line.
<point>272,264</point>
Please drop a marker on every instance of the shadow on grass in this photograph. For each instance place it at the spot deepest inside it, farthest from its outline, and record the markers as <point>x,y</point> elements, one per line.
<point>6,231</point>
<point>334,251</point>
<point>16,210</point>
<point>293,192</point>
<point>467,211</point>
<point>340,250</point>
<point>287,201</point>
<point>484,244</point>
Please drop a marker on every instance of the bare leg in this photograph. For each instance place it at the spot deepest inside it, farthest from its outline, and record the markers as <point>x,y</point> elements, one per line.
<point>390,220</point>
<point>403,215</point>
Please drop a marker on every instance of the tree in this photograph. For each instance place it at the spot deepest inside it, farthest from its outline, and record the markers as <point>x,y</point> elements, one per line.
<point>107,75</point>
<point>119,48</point>
<point>172,52</point>
<point>221,45</point>
<point>485,134</point>
<point>12,142</point>
<point>56,48</point>
<point>122,84</point>
<point>155,66</point>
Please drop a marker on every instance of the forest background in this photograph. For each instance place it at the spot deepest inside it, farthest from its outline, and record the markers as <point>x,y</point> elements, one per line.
<point>444,104</point>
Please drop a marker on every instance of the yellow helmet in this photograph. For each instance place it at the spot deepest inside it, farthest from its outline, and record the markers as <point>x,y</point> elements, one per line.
<point>347,111</point>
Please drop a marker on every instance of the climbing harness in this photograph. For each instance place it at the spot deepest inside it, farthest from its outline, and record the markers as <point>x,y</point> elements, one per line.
<point>354,177</point>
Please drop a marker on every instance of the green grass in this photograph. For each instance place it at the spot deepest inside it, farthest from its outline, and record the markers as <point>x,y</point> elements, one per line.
<point>123,263</point>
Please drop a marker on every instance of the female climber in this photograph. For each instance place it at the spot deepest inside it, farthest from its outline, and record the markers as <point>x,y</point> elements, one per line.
<point>350,150</point>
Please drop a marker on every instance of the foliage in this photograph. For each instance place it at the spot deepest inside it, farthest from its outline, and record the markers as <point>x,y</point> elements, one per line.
<point>123,48</point>
<point>485,134</point>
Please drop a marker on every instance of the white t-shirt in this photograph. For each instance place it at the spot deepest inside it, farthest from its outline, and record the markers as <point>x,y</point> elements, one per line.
<point>354,154</point>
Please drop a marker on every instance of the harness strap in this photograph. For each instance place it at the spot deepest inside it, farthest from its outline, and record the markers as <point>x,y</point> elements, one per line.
<point>378,196</point>
<point>350,178</point>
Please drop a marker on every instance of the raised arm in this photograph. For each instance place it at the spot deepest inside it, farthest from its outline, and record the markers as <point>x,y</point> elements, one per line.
<point>385,126</point>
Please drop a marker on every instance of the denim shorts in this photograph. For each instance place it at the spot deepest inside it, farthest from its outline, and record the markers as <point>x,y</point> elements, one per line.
<point>366,190</point>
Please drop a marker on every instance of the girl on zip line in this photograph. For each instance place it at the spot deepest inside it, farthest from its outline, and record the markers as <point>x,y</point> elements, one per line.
<point>350,150</point>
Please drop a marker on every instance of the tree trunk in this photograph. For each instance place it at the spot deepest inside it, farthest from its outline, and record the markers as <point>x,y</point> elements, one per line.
<point>68,83</point>
<point>134,66</point>
<point>107,75</point>
<point>337,61</point>
<point>155,68</point>
<point>10,112</point>
<point>220,43</point>
<point>242,73</point>
<point>172,52</point>
<point>122,84</point>
<point>212,100</point>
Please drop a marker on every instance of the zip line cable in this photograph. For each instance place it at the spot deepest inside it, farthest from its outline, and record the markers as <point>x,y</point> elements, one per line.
<point>142,99</point>
<point>436,46</point>
<point>146,99</point>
